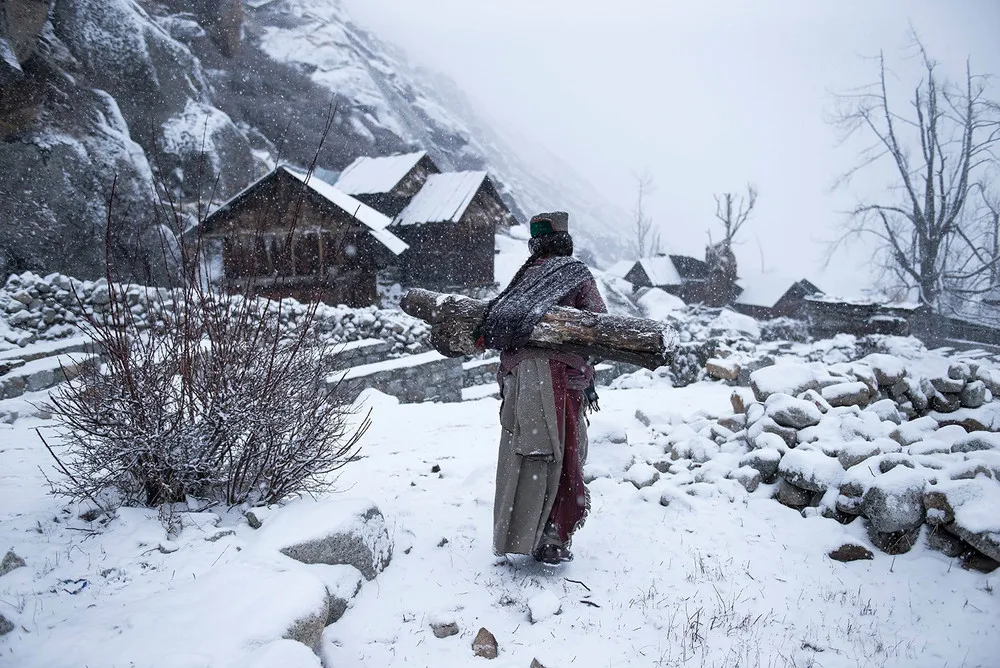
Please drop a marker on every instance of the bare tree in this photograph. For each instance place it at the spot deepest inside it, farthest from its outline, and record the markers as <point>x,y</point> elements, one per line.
<point>646,239</point>
<point>936,152</point>
<point>733,211</point>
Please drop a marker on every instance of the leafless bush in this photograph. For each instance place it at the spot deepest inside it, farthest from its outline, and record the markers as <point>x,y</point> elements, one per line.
<point>218,400</point>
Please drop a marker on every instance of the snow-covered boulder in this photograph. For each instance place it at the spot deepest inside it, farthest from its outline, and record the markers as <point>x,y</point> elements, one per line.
<point>976,441</point>
<point>747,476</point>
<point>791,378</point>
<point>790,412</point>
<point>220,619</point>
<point>973,395</point>
<point>894,501</point>
<point>351,532</point>
<point>855,452</point>
<point>642,475</point>
<point>846,394</point>
<point>888,369</point>
<point>914,430</point>
<point>729,322</point>
<point>765,461</point>
<point>811,470</point>
<point>968,509</point>
<point>886,410</point>
<point>543,605</point>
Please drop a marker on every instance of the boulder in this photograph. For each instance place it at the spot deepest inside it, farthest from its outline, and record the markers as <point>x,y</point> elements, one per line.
<point>886,410</point>
<point>947,385</point>
<point>846,394</point>
<point>977,441</point>
<point>855,452</point>
<point>444,627</point>
<point>6,626</point>
<point>810,470</point>
<point>897,542</point>
<point>792,413</point>
<point>485,644</point>
<point>894,459</point>
<point>894,501</point>
<point>851,552</point>
<point>765,461</point>
<point>10,562</point>
<point>960,371</point>
<point>816,398</point>
<point>739,401</point>
<point>791,379</point>
<point>968,509</point>
<point>642,475</point>
<point>747,476</point>
<point>946,402</point>
<point>914,430</point>
<point>792,496</point>
<point>888,369</point>
<point>542,606</point>
<point>722,369</point>
<point>350,532</point>
<point>973,395</point>
<point>946,542</point>
<point>766,425</point>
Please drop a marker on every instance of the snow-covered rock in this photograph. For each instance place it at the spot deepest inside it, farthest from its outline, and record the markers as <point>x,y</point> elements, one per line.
<point>543,605</point>
<point>977,440</point>
<point>790,412</point>
<point>334,532</point>
<point>811,470</point>
<point>894,501</point>
<point>846,394</point>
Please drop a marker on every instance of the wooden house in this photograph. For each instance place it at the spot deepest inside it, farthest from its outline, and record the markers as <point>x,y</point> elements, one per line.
<point>387,183</point>
<point>829,316</point>
<point>450,227</point>
<point>287,235</point>
<point>765,297</point>
<point>680,275</point>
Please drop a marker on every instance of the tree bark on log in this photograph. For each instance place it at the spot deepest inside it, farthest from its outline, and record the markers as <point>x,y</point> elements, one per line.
<point>601,336</point>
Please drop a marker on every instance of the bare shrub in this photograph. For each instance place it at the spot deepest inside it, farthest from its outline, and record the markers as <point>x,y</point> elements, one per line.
<point>224,398</point>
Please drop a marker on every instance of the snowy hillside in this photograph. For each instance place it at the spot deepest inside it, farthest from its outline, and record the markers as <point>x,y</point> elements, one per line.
<point>161,92</point>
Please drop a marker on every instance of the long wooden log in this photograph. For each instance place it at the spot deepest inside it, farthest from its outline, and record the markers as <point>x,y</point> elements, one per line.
<point>602,336</point>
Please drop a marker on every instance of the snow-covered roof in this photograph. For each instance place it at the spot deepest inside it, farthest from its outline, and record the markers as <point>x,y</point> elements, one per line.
<point>661,270</point>
<point>368,176</point>
<point>764,291</point>
<point>621,269</point>
<point>444,198</point>
<point>375,221</point>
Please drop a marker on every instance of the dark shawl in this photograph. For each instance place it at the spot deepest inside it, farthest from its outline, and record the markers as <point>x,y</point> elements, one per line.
<point>511,316</point>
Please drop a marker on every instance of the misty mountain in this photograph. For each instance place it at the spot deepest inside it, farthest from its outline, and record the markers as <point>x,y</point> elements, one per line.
<point>202,96</point>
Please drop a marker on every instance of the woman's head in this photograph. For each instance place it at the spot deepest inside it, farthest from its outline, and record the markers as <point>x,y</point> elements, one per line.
<point>550,234</point>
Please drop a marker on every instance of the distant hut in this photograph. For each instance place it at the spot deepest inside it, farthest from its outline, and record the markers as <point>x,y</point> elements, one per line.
<point>766,297</point>
<point>387,183</point>
<point>679,275</point>
<point>286,236</point>
<point>450,226</point>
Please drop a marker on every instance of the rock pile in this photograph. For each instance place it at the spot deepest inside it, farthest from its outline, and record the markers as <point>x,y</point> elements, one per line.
<point>870,439</point>
<point>34,308</point>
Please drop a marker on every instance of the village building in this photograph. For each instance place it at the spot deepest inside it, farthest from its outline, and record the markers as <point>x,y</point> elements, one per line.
<point>450,227</point>
<point>766,297</point>
<point>387,183</point>
<point>680,275</point>
<point>287,235</point>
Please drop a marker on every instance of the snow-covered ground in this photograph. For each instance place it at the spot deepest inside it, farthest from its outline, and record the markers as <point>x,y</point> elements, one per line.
<point>718,577</point>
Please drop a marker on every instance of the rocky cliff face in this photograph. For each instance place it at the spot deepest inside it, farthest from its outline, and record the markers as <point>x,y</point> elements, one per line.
<point>192,100</point>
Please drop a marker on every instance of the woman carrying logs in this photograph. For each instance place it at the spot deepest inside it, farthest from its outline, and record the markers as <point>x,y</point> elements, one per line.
<point>541,499</point>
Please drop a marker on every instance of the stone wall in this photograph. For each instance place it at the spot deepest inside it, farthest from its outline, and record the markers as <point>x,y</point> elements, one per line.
<point>426,377</point>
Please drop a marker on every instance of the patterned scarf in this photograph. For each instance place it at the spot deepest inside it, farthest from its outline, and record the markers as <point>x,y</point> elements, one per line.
<point>511,316</point>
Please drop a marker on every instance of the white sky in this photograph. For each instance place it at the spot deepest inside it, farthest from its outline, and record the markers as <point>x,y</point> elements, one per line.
<point>705,96</point>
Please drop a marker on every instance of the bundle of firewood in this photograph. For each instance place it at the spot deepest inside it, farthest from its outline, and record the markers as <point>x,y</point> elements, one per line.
<point>599,336</point>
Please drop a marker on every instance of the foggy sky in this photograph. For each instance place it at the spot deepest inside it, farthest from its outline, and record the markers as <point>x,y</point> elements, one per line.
<point>705,96</point>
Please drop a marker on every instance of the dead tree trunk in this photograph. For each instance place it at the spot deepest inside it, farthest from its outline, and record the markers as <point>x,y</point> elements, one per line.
<point>646,343</point>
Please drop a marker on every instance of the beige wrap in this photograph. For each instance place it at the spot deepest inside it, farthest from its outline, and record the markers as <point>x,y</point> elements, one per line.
<point>530,458</point>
